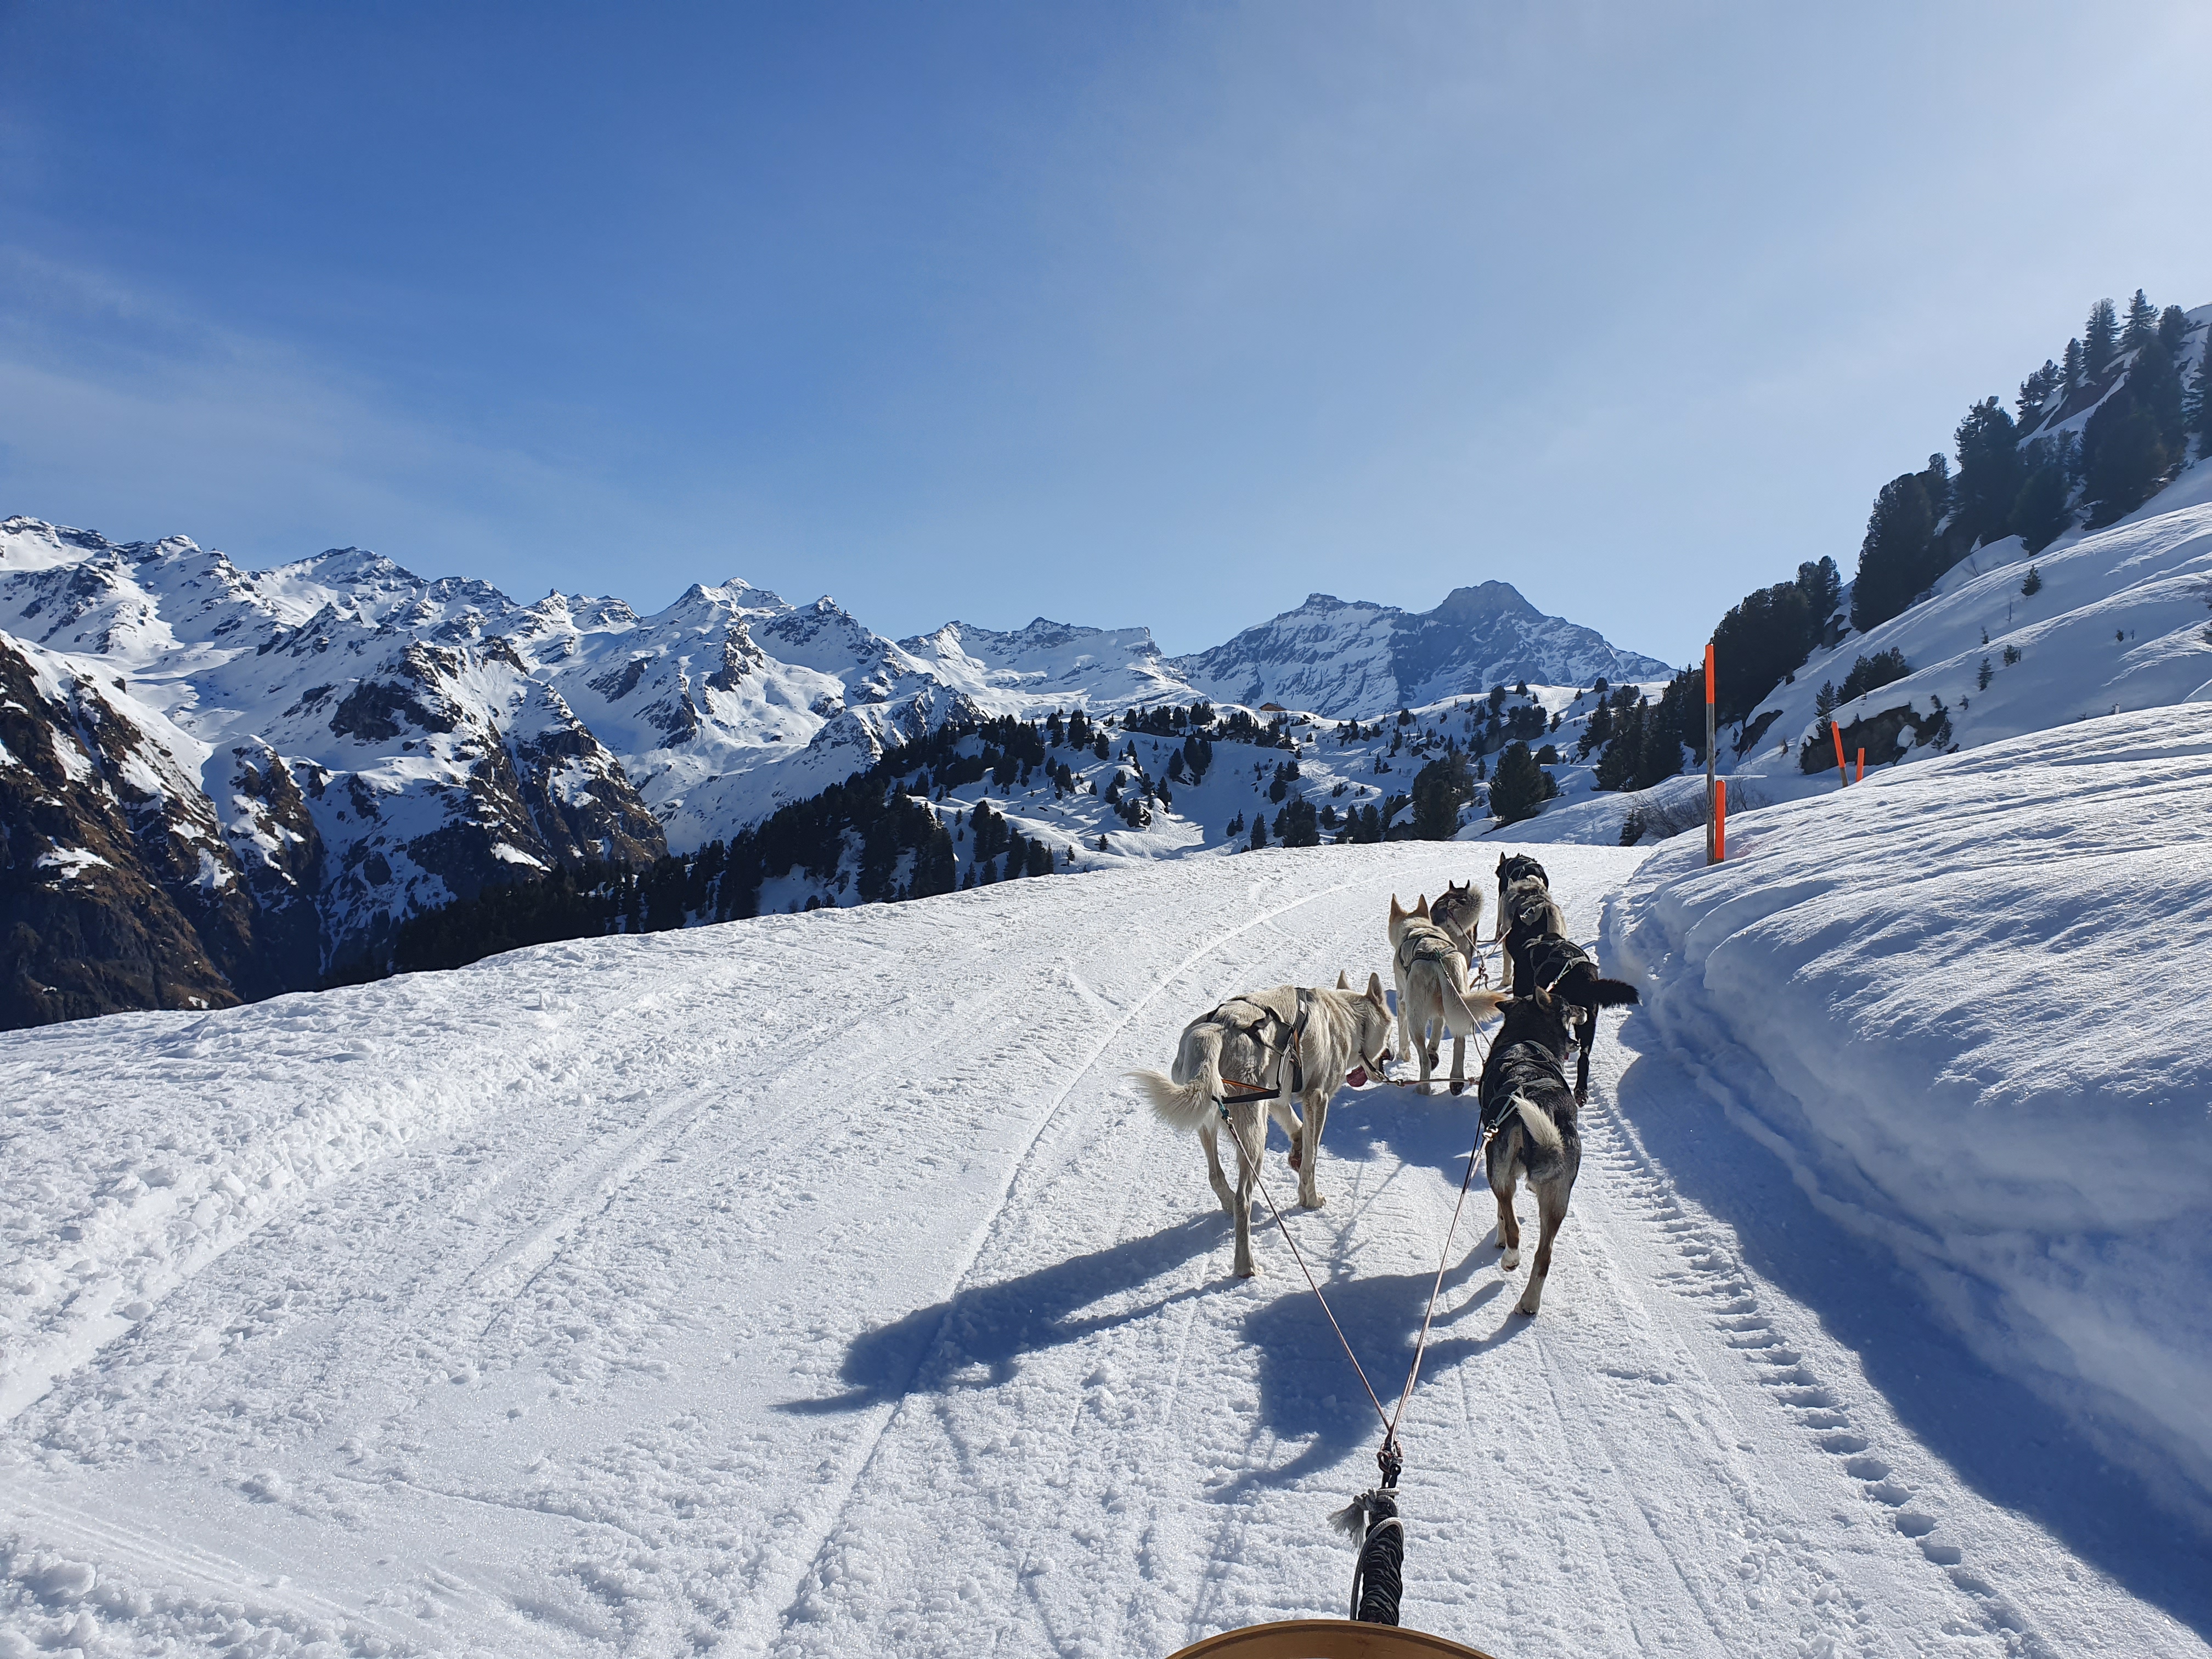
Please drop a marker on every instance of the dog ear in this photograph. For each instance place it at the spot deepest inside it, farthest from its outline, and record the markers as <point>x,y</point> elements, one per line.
<point>1343,980</point>
<point>1375,991</point>
<point>1421,906</point>
<point>1397,910</point>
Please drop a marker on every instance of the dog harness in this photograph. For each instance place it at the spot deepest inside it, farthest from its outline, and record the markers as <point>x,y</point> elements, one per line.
<point>1427,947</point>
<point>1521,1057</point>
<point>1253,1030</point>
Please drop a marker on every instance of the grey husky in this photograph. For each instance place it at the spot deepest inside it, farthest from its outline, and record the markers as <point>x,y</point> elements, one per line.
<point>1458,911</point>
<point>1246,1061</point>
<point>1433,991</point>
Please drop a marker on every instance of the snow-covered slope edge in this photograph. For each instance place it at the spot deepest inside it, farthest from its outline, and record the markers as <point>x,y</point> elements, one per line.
<point>2118,621</point>
<point>1961,1001</point>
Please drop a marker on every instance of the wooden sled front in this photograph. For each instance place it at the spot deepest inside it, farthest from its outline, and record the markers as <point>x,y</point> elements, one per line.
<point>1326,1639</point>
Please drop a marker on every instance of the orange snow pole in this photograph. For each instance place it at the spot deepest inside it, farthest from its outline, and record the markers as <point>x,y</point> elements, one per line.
<point>1712,833</point>
<point>1862,776</point>
<point>1837,732</point>
<point>1720,819</point>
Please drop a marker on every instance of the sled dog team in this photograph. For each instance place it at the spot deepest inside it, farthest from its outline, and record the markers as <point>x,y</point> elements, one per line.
<point>1281,1055</point>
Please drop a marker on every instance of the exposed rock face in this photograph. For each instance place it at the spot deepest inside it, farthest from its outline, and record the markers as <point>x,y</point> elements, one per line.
<point>225,783</point>
<point>90,915</point>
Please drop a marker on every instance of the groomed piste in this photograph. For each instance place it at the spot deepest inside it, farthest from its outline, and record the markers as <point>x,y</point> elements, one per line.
<point>818,1283</point>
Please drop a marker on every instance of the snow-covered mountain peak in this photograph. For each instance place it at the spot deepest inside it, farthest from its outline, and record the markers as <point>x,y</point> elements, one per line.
<point>1051,665</point>
<point>1344,659</point>
<point>1483,602</point>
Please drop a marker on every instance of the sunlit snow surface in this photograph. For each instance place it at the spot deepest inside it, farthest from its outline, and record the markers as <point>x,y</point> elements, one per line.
<point>817,1285</point>
<point>1979,984</point>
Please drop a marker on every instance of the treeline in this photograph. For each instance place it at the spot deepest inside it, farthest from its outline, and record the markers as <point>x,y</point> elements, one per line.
<point>2016,473</point>
<point>905,846</point>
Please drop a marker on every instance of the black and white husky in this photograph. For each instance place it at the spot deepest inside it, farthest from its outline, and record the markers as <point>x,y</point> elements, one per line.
<point>1556,963</point>
<point>1526,914</point>
<point>1248,1060</point>
<point>1517,867</point>
<point>1529,1113</point>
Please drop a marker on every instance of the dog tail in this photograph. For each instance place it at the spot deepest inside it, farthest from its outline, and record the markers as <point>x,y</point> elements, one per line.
<point>1465,1008</point>
<point>1613,994</point>
<point>1539,1127</point>
<point>1187,1105</point>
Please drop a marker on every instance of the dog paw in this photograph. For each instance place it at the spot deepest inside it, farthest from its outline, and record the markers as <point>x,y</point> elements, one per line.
<point>1313,1203</point>
<point>1512,1259</point>
<point>1459,1086</point>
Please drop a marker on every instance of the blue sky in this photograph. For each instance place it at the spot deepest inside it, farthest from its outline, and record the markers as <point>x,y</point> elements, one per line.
<point>1114,313</point>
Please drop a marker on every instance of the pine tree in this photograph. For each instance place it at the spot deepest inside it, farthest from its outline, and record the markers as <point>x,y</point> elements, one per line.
<point>2072,375</point>
<point>1895,556</point>
<point>1766,636</point>
<point>2125,460</point>
<point>2100,340</point>
<point>2142,323</point>
<point>1440,788</point>
<point>2038,513</point>
<point>2035,393</point>
<point>2157,388</point>
<point>2130,439</point>
<point>1937,481</point>
<point>1822,584</point>
<point>2173,328</point>
<point>1983,676</point>
<point>1517,791</point>
<point>2032,584</point>
<point>1989,474</point>
<point>2201,393</point>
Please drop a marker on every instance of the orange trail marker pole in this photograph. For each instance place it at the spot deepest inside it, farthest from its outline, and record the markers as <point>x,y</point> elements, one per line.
<point>1836,732</point>
<point>1720,819</point>
<point>1862,776</point>
<point>1712,840</point>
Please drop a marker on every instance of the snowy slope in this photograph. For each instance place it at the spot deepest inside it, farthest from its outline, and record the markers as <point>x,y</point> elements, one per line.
<point>2118,623</point>
<point>818,1285</point>
<point>1964,1002</point>
<point>1051,665</point>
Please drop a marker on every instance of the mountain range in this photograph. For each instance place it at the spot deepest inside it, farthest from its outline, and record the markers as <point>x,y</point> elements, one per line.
<point>217,782</point>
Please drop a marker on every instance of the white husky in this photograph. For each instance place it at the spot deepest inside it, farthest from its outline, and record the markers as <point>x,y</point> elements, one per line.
<point>1247,1060</point>
<point>1433,990</point>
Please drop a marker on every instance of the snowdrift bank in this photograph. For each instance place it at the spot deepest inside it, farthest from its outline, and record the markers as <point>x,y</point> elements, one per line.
<point>1963,1002</point>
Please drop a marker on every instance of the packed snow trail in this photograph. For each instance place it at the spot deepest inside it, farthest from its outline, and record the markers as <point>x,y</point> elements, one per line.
<point>818,1285</point>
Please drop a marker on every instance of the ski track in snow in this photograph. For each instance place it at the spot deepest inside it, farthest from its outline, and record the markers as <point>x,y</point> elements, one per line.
<point>818,1285</point>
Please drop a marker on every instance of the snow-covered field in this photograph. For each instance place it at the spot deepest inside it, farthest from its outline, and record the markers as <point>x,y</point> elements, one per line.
<point>818,1285</point>
<point>1965,1001</point>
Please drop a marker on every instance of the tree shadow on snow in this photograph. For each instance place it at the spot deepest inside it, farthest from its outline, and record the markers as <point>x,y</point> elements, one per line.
<point>2004,1441</point>
<point>974,1339</point>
